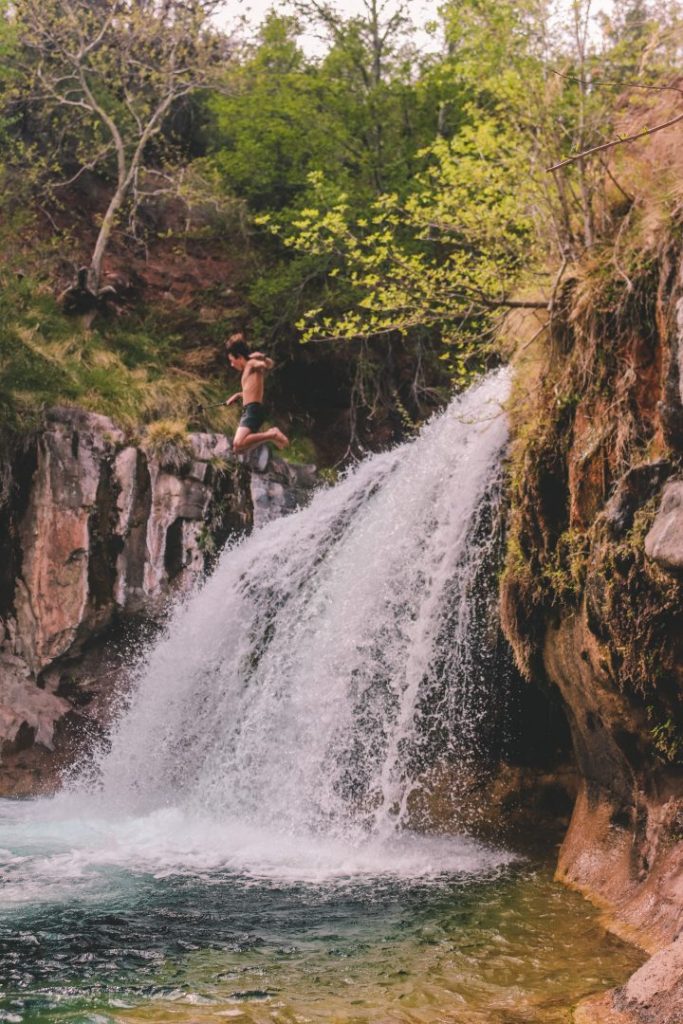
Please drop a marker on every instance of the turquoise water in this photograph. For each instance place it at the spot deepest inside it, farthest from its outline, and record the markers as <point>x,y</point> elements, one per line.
<point>85,940</point>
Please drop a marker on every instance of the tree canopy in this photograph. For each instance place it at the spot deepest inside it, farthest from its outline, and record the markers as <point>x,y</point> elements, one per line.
<point>390,196</point>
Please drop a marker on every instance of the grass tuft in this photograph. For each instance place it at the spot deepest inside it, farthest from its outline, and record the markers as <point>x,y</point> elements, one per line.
<point>134,369</point>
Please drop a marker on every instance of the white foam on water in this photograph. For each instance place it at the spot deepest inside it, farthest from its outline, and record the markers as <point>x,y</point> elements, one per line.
<point>283,722</point>
<point>58,858</point>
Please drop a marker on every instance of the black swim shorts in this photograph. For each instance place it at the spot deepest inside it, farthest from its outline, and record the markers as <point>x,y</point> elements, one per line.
<point>253,415</point>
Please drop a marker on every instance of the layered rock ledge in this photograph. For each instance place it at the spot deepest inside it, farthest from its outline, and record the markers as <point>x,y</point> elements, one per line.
<point>99,534</point>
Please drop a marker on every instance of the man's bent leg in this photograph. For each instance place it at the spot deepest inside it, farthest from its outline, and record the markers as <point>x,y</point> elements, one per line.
<point>244,440</point>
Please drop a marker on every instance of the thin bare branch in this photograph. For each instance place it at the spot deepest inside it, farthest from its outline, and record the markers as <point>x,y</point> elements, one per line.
<point>616,142</point>
<point>601,80</point>
<point>89,166</point>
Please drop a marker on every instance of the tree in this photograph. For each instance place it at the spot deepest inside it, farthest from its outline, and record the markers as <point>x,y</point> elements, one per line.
<point>443,259</point>
<point>360,114</point>
<point>447,255</point>
<point>7,53</point>
<point>555,73</point>
<point>370,70</point>
<point>17,177</point>
<point>645,39</point>
<point>116,68</point>
<point>270,123</point>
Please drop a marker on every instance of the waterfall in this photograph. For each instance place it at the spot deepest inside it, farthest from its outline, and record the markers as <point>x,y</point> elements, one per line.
<point>333,657</point>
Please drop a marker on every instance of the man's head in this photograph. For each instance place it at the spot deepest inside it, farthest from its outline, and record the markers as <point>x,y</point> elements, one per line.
<point>237,351</point>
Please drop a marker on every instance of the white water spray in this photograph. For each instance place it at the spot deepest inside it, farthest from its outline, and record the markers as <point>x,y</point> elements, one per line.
<point>301,686</point>
<point>287,719</point>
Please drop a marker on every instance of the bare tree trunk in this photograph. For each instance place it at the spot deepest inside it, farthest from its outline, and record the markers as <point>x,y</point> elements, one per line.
<point>581,14</point>
<point>104,235</point>
<point>72,57</point>
<point>125,180</point>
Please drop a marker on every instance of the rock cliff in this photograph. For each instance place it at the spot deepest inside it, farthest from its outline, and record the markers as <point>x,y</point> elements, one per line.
<point>99,532</point>
<point>592,593</point>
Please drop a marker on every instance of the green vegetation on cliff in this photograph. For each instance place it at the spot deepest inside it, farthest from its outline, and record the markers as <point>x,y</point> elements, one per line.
<point>129,368</point>
<point>597,435</point>
<point>392,200</point>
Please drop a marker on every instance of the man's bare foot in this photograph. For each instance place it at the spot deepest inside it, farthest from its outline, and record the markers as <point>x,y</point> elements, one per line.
<point>278,438</point>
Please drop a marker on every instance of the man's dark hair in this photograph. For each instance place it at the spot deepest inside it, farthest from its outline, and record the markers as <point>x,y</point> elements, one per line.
<point>237,346</point>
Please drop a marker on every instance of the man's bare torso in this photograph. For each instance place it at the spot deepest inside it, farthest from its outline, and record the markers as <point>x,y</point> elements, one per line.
<point>253,383</point>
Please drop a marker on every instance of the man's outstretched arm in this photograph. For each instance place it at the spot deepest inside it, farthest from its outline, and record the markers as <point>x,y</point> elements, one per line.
<point>259,362</point>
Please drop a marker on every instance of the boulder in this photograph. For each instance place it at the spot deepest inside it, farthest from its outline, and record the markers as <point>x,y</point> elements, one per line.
<point>28,714</point>
<point>653,995</point>
<point>57,535</point>
<point>664,542</point>
<point>634,488</point>
<point>278,487</point>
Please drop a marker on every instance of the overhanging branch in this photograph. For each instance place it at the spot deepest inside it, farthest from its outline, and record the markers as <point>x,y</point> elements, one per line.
<point>615,142</point>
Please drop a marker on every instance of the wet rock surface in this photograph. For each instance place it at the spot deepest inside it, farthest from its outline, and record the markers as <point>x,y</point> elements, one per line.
<point>277,487</point>
<point>592,603</point>
<point>100,534</point>
<point>653,995</point>
<point>664,542</point>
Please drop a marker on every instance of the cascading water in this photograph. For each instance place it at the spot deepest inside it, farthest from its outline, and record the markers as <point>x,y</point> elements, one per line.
<point>301,687</point>
<point>333,658</point>
<point>252,843</point>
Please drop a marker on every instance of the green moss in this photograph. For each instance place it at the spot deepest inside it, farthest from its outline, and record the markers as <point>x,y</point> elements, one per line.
<point>556,559</point>
<point>565,570</point>
<point>667,738</point>
<point>638,607</point>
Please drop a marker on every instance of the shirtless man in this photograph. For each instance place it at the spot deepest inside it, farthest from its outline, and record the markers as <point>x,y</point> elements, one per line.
<point>253,367</point>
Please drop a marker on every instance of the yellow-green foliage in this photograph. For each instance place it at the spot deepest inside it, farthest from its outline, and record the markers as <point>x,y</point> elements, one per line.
<point>301,450</point>
<point>168,441</point>
<point>398,280</point>
<point>667,738</point>
<point>565,570</point>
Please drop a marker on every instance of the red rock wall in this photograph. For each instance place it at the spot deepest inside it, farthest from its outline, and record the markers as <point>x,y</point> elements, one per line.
<point>592,594</point>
